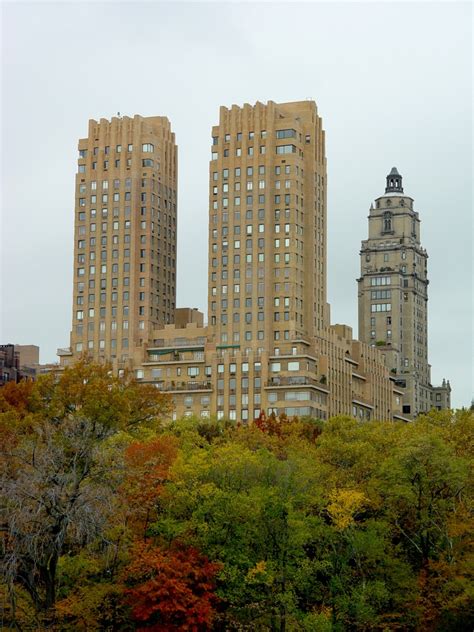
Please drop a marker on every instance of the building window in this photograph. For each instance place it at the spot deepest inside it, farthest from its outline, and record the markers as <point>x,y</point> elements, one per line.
<point>286,149</point>
<point>387,222</point>
<point>286,133</point>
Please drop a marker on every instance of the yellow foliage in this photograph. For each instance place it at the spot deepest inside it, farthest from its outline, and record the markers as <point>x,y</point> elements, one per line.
<point>343,506</point>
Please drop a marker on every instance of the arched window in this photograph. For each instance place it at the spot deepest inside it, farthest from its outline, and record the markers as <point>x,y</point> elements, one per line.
<point>387,222</point>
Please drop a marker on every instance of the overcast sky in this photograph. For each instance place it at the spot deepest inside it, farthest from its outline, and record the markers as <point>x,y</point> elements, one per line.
<point>392,82</point>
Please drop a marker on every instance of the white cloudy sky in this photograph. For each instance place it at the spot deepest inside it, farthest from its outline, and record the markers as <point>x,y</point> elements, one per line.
<point>392,82</point>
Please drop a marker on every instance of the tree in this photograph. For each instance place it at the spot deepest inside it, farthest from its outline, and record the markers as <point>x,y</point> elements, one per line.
<point>147,466</point>
<point>252,510</point>
<point>170,589</point>
<point>58,478</point>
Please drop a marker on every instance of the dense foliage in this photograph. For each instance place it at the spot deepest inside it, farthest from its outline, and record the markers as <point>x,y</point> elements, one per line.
<point>114,520</point>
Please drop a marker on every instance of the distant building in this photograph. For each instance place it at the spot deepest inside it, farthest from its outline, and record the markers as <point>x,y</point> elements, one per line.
<point>393,297</point>
<point>28,355</point>
<point>18,362</point>
<point>9,364</point>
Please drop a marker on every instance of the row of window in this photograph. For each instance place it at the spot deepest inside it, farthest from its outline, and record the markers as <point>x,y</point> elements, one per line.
<point>146,148</point>
<point>146,162</point>
<point>224,217</point>
<point>260,170</point>
<point>298,396</point>
<point>157,186</point>
<point>278,215</point>
<point>81,216</point>
<point>115,225</point>
<point>249,186</point>
<point>249,229</point>
<point>249,200</point>
<point>378,294</point>
<point>279,134</point>
<point>381,307</point>
<point>116,198</point>
<point>113,344</point>
<point>276,367</point>
<point>384,280</point>
<point>80,300</point>
<point>280,149</point>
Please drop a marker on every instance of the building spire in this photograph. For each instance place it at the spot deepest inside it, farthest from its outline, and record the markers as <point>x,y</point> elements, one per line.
<point>394,182</point>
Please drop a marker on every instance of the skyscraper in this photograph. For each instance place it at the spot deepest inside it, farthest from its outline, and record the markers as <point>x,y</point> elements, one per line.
<point>393,295</point>
<point>267,225</point>
<point>269,345</point>
<point>124,236</point>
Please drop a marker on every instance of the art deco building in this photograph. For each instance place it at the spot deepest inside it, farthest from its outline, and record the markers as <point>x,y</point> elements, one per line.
<point>268,344</point>
<point>124,237</point>
<point>267,225</point>
<point>393,296</point>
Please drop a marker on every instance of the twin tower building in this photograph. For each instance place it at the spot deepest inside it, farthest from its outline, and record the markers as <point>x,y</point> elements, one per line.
<point>268,344</point>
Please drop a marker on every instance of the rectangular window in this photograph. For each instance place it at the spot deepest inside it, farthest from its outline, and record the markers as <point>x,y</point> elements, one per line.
<point>381,307</point>
<point>286,149</point>
<point>286,133</point>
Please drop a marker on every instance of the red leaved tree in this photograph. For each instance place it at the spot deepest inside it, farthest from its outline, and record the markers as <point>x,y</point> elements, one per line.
<point>170,589</point>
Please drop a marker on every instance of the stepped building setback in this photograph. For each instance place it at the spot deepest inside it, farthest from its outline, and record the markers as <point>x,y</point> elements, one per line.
<point>268,343</point>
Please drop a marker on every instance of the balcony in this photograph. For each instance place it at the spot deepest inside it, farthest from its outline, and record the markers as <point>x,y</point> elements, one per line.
<point>64,351</point>
<point>186,386</point>
<point>362,401</point>
<point>178,342</point>
<point>172,356</point>
<point>296,380</point>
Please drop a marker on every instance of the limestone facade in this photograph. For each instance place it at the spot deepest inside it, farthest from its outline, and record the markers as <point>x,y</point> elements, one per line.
<point>268,344</point>
<point>124,237</point>
<point>393,295</point>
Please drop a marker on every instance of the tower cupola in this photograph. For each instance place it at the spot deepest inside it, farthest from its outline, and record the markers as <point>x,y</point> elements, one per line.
<point>394,182</point>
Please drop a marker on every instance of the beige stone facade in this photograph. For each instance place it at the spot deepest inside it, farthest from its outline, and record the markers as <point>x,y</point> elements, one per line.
<point>331,374</point>
<point>268,345</point>
<point>124,237</point>
<point>393,295</point>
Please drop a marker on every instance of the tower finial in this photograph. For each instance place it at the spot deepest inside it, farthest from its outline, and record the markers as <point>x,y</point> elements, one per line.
<point>394,182</point>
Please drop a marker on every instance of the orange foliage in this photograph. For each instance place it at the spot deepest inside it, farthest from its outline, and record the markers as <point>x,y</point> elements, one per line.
<point>170,589</point>
<point>272,424</point>
<point>147,464</point>
<point>16,396</point>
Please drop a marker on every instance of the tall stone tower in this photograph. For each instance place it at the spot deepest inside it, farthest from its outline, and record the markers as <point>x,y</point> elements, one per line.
<point>267,229</point>
<point>393,294</point>
<point>124,237</point>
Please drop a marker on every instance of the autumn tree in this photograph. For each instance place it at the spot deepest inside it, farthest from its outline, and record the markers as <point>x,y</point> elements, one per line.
<point>170,589</point>
<point>58,480</point>
<point>147,465</point>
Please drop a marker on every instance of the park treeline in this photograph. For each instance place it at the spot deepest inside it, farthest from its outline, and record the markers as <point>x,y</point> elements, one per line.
<point>114,519</point>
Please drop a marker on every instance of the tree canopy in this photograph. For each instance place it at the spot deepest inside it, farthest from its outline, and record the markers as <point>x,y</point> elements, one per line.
<point>114,520</point>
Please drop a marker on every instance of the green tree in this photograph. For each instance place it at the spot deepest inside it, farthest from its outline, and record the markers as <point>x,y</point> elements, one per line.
<point>59,475</point>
